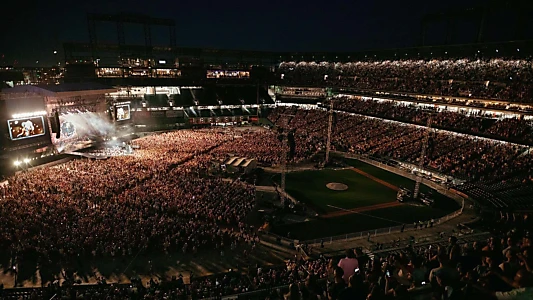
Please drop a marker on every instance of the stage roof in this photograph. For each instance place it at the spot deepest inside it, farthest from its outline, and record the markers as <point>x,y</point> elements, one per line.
<point>75,87</point>
<point>59,88</point>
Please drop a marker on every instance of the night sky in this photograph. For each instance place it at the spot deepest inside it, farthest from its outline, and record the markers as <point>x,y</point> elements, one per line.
<point>32,30</point>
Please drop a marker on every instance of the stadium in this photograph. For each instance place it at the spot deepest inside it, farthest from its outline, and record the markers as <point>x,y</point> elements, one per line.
<point>191,173</point>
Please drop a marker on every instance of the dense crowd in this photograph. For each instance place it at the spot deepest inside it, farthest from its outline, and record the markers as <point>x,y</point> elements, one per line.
<point>153,200</point>
<point>509,129</point>
<point>158,197</point>
<point>162,199</point>
<point>265,146</point>
<point>455,154</point>
<point>500,267</point>
<point>507,167</point>
<point>502,79</point>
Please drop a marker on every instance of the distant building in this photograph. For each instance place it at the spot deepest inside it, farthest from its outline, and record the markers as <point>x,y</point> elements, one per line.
<point>10,78</point>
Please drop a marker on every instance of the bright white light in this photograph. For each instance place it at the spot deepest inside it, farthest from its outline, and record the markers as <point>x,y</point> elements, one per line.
<point>114,138</point>
<point>162,62</point>
<point>517,49</point>
<point>496,50</point>
<point>17,163</point>
<point>26,160</point>
<point>55,52</point>
<point>31,114</point>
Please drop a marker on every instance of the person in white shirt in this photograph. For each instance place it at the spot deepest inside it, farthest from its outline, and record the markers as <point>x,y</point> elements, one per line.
<point>348,265</point>
<point>522,286</point>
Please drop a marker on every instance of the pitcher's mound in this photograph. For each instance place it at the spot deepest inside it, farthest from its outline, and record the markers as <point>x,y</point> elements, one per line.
<point>337,186</point>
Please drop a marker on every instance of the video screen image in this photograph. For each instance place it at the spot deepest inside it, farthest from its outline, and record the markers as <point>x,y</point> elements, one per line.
<point>26,128</point>
<point>123,112</point>
<point>67,129</point>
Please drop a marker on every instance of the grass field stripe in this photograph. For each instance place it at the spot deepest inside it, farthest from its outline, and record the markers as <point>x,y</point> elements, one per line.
<point>383,182</point>
<point>361,209</point>
<point>356,212</point>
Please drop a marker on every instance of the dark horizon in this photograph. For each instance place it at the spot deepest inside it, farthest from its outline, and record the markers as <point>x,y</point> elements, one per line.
<point>33,32</point>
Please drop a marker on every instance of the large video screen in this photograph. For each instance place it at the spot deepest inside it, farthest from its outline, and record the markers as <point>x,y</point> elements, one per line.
<point>24,128</point>
<point>123,112</point>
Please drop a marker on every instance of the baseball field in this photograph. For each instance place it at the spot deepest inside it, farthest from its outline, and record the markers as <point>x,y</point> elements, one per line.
<point>356,198</point>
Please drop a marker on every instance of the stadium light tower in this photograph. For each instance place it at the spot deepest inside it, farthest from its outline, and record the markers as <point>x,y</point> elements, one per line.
<point>330,129</point>
<point>425,143</point>
<point>283,170</point>
<point>284,148</point>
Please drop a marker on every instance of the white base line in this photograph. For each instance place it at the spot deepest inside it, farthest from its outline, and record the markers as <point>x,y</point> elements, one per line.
<point>356,212</point>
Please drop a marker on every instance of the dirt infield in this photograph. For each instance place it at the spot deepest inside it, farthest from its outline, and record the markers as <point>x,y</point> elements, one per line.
<point>361,209</point>
<point>382,182</point>
<point>335,186</point>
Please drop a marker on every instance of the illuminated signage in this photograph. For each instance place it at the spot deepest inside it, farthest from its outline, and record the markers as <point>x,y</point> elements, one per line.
<point>123,112</point>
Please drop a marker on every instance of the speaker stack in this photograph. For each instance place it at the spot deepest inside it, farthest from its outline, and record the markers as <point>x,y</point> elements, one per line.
<point>56,126</point>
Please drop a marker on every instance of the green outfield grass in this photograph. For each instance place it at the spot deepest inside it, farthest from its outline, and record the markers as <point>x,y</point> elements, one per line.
<point>387,176</point>
<point>441,202</point>
<point>310,187</point>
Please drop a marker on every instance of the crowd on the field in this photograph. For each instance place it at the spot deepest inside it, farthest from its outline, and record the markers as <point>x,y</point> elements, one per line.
<point>153,200</point>
<point>510,129</point>
<point>158,197</point>
<point>502,79</point>
<point>507,166</point>
<point>267,146</point>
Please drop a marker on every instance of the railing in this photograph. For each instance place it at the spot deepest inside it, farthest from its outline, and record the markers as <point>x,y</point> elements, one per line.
<point>278,239</point>
<point>382,231</point>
